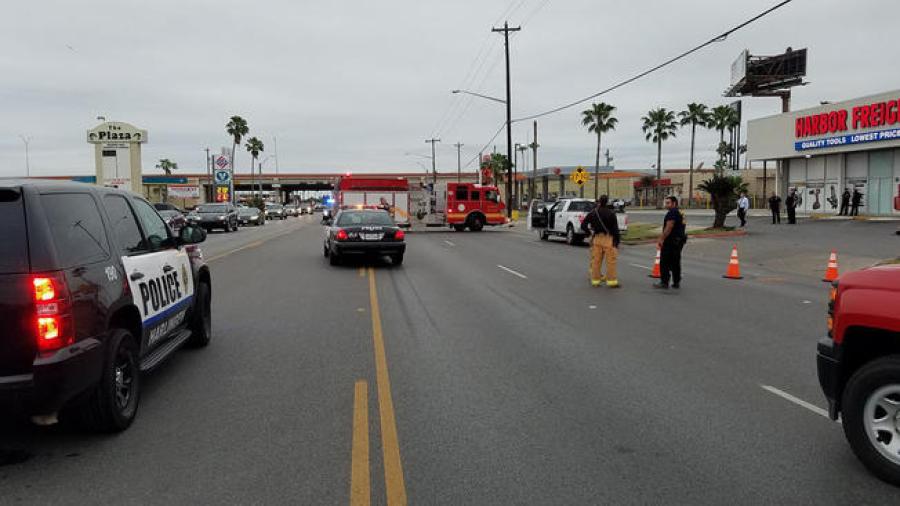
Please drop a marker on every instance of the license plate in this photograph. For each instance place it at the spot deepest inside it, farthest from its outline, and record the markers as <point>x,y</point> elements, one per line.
<point>372,237</point>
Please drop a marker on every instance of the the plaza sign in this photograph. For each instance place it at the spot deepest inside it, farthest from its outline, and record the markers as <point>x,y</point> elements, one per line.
<point>115,132</point>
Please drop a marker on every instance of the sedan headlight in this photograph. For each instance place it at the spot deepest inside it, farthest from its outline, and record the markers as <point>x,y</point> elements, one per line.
<point>254,217</point>
<point>221,218</point>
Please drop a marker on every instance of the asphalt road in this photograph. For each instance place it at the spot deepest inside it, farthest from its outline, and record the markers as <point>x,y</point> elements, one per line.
<point>484,370</point>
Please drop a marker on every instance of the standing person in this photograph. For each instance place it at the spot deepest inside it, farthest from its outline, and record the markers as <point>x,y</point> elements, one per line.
<point>855,202</point>
<point>602,224</point>
<point>671,243</point>
<point>743,206</point>
<point>845,202</point>
<point>775,207</point>
<point>791,205</point>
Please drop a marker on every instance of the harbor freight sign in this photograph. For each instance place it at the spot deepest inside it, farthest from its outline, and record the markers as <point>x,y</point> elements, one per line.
<point>847,140</point>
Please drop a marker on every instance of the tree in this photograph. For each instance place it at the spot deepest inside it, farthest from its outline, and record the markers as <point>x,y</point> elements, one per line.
<point>497,165</point>
<point>659,125</point>
<point>723,191</point>
<point>237,128</point>
<point>695,114</point>
<point>723,118</point>
<point>254,147</point>
<point>598,119</point>
<point>167,166</point>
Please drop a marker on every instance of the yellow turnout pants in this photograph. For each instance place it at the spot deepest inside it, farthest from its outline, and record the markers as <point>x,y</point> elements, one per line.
<point>602,248</point>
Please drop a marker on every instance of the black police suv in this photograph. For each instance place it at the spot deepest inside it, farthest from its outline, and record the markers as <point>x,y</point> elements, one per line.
<point>369,232</point>
<point>95,290</point>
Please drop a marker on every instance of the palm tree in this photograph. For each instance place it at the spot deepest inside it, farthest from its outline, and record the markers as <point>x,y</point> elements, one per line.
<point>237,128</point>
<point>598,119</point>
<point>254,147</point>
<point>695,114</point>
<point>723,191</point>
<point>659,125</point>
<point>723,118</point>
<point>167,166</point>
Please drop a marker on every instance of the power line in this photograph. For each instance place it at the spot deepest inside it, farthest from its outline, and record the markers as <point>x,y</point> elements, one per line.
<point>666,63</point>
<point>486,145</point>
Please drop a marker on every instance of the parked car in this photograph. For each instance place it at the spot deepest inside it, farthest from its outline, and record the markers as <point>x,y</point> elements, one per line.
<point>251,216</point>
<point>859,365</point>
<point>174,219</point>
<point>565,216</point>
<point>275,212</point>
<point>363,232</point>
<point>96,292</point>
<point>220,215</point>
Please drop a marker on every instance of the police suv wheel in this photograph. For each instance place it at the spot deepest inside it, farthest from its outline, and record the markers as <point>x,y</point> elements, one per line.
<point>113,404</point>
<point>570,236</point>
<point>201,320</point>
<point>871,417</point>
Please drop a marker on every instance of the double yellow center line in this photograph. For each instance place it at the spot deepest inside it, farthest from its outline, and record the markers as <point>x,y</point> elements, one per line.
<point>395,489</point>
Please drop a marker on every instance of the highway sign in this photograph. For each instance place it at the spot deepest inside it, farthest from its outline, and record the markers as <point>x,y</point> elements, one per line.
<point>579,176</point>
<point>223,176</point>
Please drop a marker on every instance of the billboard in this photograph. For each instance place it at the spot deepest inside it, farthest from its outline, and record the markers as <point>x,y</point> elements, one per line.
<point>739,68</point>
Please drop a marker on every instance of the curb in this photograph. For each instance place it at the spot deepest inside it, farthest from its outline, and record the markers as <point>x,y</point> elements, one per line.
<point>718,235</point>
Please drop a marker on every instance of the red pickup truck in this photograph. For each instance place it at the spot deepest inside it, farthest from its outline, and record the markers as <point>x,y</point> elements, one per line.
<point>859,365</point>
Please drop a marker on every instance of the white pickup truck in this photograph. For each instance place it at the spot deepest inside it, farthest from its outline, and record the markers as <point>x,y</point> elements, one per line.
<point>565,216</point>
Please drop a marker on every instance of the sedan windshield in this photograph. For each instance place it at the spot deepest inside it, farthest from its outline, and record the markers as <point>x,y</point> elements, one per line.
<point>350,219</point>
<point>249,212</point>
<point>212,208</point>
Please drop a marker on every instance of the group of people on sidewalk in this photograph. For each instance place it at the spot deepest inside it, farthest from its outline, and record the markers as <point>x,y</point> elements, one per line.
<point>602,226</point>
<point>850,202</point>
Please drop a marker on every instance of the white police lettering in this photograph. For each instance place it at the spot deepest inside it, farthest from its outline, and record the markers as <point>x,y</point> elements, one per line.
<point>160,283</point>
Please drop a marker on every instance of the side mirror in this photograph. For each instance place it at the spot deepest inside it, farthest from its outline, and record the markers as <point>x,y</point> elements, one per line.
<point>192,234</point>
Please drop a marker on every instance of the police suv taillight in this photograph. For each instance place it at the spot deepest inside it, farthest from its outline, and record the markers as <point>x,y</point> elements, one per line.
<point>52,313</point>
<point>399,235</point>
<point>341,235</point>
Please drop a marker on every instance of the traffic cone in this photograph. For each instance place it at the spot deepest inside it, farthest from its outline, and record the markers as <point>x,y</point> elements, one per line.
<point>734,266</point>
<point>831,273</point>
<point>655,273</point>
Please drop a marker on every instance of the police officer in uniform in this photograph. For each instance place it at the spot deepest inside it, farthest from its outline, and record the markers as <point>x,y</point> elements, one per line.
<point>671,242</point>
<point>791,205</point>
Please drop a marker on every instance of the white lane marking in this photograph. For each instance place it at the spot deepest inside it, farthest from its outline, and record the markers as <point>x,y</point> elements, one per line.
<point>800,402</point>
<point>448,243</point>
<point>641,266</point>
<point>807,302</point>
<point>592,307</point>
<point>514,273</point>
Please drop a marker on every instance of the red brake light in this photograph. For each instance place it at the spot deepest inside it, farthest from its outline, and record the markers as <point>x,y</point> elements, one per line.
<point>53,320</point>
<point>43,289</point>
<point>399,235</point>
<point>341,235</point>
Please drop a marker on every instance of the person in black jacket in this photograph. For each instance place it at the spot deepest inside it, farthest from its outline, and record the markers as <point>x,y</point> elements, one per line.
<point>602,224</point>
<point>791,205</point>
<point>855,202</point>
<point>845,203</point>
<point>775,207</point>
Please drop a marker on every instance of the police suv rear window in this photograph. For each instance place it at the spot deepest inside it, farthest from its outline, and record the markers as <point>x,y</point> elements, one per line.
<point>13,247</point>
<point>77,230</point>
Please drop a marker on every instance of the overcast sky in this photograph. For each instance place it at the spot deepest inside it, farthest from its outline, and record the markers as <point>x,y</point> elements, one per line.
<point>357,85</point>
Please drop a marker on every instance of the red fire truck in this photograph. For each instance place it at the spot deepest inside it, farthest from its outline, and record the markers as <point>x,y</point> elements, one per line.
<point>457,205</point>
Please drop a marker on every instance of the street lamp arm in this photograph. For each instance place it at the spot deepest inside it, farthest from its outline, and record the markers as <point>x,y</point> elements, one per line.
<point>480,95</point>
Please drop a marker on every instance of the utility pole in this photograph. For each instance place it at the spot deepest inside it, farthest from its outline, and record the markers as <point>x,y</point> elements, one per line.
<point>608,161</point>
<point>26,140</point>
<point>534,145</point>
<point>208,193</point>
<point>506,29</point>
<point>458,145</point>
<point>433,163</point>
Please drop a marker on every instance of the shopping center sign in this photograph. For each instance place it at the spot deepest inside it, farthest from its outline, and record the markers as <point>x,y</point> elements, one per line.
<point>860,117</point>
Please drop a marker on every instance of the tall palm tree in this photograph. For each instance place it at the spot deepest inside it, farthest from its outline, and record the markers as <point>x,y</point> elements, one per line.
<point>659,125</point>
<point>723,118</point>
<point>695,114</point>
<point>598,119</point>
<point>254,147</point>
<point>167,166</point>
<point>237,128</point>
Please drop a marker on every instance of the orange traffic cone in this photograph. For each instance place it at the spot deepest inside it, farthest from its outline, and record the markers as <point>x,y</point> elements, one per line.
<point>831,273</point>
<point>734,266</point>
<point>655,273</point>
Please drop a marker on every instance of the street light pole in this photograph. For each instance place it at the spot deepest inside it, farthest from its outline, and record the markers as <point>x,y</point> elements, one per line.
<point>506,29</point>
<point>458,162</point>
<point>26,140</point>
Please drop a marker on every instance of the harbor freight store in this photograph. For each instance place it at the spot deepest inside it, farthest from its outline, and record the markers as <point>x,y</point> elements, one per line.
<point>824,150</point>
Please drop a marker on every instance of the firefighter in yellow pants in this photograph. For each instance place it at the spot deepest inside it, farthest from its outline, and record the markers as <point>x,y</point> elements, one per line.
<point>602,224</point>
